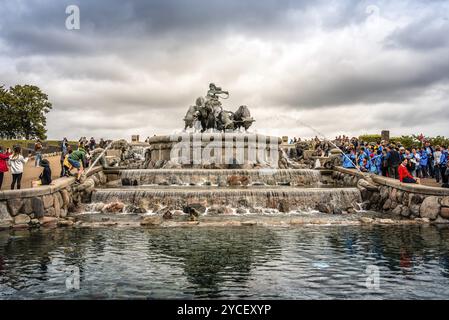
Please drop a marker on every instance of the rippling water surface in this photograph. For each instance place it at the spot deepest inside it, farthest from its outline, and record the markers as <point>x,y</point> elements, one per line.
<point>249,263</point>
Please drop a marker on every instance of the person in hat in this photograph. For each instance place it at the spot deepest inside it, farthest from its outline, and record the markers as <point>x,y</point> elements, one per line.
<point>45,176</point>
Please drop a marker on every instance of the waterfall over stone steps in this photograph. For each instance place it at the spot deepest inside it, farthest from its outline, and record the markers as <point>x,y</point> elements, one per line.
<point>283,199</point>
<point>298,177</point>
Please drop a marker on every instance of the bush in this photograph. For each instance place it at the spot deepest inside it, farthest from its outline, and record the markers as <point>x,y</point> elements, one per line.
<point>439,141</point>
<point>370,138</point>
<point>24,143</point>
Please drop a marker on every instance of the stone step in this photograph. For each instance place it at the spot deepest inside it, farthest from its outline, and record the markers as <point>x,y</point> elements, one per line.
<point>294,177</point>
<point>284,199</point>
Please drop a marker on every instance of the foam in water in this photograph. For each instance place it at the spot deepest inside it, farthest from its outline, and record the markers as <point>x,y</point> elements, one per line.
<point>282,199</point>
<point>298,177</point>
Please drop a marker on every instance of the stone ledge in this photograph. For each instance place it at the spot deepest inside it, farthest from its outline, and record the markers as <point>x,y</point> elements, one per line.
<point>57,184</point>
<point>412,188</point>
<point>353,172</point>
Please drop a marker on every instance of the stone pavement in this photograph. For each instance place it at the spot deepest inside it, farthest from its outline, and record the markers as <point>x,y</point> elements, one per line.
<point>31,173</point>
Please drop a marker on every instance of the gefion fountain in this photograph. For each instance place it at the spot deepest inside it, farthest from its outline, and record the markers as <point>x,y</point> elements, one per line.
<point>220,168</point>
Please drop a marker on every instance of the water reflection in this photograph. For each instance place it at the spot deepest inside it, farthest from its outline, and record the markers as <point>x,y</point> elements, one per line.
<point>307,262</point>
<point>210,256</point>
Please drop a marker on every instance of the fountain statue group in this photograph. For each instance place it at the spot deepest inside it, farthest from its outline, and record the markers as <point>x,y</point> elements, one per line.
<point>210,114</point>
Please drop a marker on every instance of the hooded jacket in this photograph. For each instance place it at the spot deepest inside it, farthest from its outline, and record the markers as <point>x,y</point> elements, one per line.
<point>423,161</point>
<point>16,164</point>
<point>444,156</point>
<point>347,162</point>
<point>45,176</point>
<point>3,165</point>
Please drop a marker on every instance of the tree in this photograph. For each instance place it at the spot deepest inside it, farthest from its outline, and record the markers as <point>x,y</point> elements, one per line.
<point>23,112</point>
<point>8,125</point>
<point>439,141</point>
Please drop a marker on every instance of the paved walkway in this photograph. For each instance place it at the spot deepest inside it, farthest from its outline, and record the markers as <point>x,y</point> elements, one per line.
<point>430,182</point>
<point>31,173</point>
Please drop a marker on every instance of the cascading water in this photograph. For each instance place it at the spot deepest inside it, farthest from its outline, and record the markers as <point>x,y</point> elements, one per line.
<point>99,157</point>
<point>283,199</point>
<point>293,177</point>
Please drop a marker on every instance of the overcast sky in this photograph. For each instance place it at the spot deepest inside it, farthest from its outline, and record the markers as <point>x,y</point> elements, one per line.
<point>134,67</point>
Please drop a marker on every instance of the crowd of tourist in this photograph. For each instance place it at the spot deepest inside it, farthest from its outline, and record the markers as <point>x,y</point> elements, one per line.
<point>409,165</point>
<point>79,158</point>
<point>71,158</point>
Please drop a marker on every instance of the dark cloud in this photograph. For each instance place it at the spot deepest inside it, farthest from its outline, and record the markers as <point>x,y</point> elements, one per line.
<point>135,66</point>
<point>425,34</point>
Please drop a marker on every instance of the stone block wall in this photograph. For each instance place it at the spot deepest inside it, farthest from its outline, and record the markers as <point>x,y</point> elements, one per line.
<point>346,177</point>
<point>395,198</point>
<point>46,204</point>
<point>412,201</point>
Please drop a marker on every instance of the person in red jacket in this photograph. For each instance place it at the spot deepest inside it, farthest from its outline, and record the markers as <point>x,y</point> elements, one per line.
<point>4,156</point>
<point>404,174</point>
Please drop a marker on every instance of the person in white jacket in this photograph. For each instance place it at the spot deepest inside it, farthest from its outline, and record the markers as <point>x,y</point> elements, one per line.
<point>16,163</point>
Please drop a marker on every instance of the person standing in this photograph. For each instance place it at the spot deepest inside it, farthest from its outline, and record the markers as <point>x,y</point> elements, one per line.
<point>102,143</point>
<point>38,152</point>
<point>16,163</point>
<point>4,156</point>
<point>436,163</point>
<point>349,159</point>
<point>92,144</point>
<point>443,165</point>
<point>429,151</point>
<point>64,151</point>
<point>423,163</point>
<point>416,157</point>
<point>393,160</point>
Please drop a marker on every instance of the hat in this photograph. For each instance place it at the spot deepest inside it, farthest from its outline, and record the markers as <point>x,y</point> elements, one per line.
<point>44,163</point>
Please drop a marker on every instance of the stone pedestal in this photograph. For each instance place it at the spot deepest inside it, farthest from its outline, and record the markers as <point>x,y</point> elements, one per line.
<point>385,134</point>
<point>223,149</point>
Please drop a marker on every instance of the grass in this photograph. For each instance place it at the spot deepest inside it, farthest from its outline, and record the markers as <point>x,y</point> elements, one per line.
<point>24,143</point>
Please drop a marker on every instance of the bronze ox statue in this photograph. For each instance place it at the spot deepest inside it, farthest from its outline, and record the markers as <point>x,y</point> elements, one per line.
<point>209,112</point>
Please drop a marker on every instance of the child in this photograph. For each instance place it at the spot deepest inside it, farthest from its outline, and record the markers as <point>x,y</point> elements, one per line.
<point>45,176</point>
<point>3,165</point>
<point>76,159</point>
<point>67,165</point>
<point>16,163</point>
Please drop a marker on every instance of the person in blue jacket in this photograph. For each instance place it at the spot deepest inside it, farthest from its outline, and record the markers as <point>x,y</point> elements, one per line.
<point>443,165</point>
<point>376,163</point>
<point>423,163</point>
<point>361,157</point>
<point>348,160</point>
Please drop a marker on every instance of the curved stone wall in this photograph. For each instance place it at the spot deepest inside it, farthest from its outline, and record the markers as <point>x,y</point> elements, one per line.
<point>46,204</point>
<point>402,199</point>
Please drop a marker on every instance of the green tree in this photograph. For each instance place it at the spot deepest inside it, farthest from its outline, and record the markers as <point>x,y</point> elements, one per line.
<point>8,123</point>
<point>370,138</point>
<point>23,112</point>
<point>439,141</point>
<point>408,141</point>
